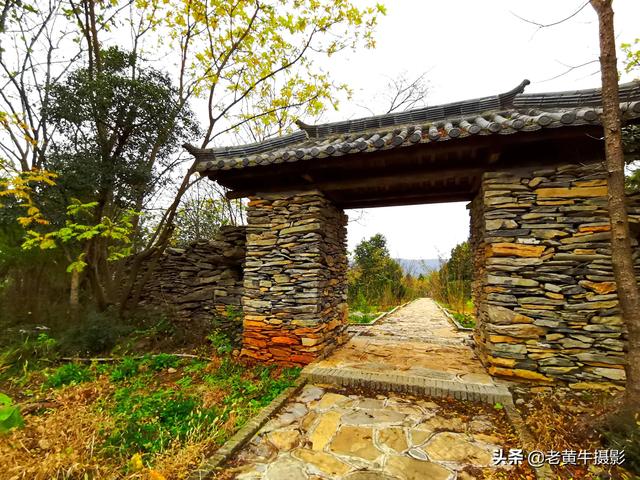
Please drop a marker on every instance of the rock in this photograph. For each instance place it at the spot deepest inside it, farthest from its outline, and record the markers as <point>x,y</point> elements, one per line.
<point>610,373</point>
<point>372,417</point>
<point>327,464</point>
<point>440,424</point>
<point>330,399</point>
<point>411,469</point>
<point>310,393</point>
<point>394,438</point>
<point>325,429</point>
<point>284,440</point>
<point>285,469</point>
<point>514,250</point>
<point>599,287</point>
<point>454,447</point>
<point>355,441</point>
<point>510,281</point>
<point>369,475</point>
<point>504,316</point>
<point>500,224</point>
<point>571,192</point>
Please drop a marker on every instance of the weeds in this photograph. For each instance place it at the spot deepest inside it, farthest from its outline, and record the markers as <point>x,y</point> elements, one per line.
<point>163,361</point>
<point>127,368</point>
<point>31,351</point>
<point>221,343</point>
<point>68,374</point>
<point>147,421</point>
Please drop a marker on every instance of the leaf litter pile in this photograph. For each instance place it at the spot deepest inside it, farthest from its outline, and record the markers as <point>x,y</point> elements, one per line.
<point>155,417</point>
<point>561,419</point>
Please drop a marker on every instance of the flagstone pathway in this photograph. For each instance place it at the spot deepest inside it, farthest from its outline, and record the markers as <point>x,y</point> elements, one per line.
<point>331,432</point>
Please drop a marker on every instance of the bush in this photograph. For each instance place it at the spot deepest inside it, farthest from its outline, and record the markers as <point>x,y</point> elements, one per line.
<point>127,368</point>
<point>221,342</point>
<point>163,361</point>
<point>16,358</point>
<point>69,374</point>
<point>98,333</point>
<point>622,432</point>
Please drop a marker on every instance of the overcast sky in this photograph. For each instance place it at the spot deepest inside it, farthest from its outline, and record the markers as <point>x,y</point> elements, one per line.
<point>469,48</point>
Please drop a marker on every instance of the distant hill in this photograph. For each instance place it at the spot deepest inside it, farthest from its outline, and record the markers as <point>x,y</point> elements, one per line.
<point>418,266</point>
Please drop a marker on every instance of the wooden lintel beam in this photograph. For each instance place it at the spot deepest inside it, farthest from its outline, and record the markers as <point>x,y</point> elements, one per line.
<point>375,181</point>
<point>409,200</point>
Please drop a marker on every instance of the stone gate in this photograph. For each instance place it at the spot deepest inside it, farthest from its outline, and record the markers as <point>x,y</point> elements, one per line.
<point>531,166</point>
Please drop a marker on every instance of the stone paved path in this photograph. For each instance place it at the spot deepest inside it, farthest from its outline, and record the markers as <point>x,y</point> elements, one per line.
<point>417,340</point>
<point>328,432</point>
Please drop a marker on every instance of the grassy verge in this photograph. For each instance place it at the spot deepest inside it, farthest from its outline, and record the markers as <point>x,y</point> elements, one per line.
<point>151,417</point>
<point>366,315</point>
<point>463,317</point>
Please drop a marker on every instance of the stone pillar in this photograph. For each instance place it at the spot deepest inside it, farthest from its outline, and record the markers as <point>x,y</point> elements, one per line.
<point>294,299</point>
<point>545,293</point>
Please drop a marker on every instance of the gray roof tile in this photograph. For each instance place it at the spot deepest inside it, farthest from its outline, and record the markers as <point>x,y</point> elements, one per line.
<point>502,114</point>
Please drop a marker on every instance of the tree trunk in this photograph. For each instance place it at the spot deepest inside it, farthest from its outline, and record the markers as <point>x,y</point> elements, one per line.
<point>621,254</point>
<point>74,293</point>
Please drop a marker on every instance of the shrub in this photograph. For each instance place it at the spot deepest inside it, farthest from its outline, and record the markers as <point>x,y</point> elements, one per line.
<point>163,361</point>
<point>69,373</point>
<point>97,333</point>
<point>17,357</point>
<point>221,342</point>
<point>127,368</point>
<point>622,432</point>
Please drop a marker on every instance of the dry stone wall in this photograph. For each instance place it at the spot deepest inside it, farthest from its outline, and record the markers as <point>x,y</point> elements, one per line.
<point>202,283</point>
<point>545,293</point>
<point>294,298</point>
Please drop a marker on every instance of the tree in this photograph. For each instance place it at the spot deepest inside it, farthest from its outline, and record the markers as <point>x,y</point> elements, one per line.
<point>621,253</point>
<point>250,63</point>
<point>458,270</point>
<point>375,273</point>
<point>203,212</point>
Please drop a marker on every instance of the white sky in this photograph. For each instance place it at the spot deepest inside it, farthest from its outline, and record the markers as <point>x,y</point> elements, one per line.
<point>470,48</point>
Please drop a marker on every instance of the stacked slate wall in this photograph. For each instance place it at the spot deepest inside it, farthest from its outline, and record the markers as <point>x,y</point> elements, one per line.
<point>544,292</point>
<point>202,283</point>
<point>294,299</point>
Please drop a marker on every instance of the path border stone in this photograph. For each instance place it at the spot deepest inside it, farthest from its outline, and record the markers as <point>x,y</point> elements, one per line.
<point>399,383</point>
<point>212,465</point>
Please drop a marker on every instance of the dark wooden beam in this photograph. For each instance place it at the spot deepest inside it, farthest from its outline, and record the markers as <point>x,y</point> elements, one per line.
<point>393,201</point>
<point>394,180</point>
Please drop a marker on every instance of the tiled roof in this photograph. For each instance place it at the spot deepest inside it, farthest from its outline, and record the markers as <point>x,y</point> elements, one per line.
<point>503,114</point>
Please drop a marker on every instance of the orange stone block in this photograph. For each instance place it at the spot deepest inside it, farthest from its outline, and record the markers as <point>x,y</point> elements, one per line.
<point>250,323</point>
<point>572,192</point>
<point>602,288</point>
<point>284,340</point>
<point>594,229</point>
<point>253,342</point>
<point>590,183</point>
<point>514,250</point>
<point>279,352</point>
<point>302,359</point>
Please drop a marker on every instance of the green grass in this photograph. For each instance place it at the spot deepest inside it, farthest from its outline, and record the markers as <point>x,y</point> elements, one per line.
<point>147,403</point>
<point>363,319</point>
<point>464,319</point>
<point>152,406</point>
<point>69,374</point>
